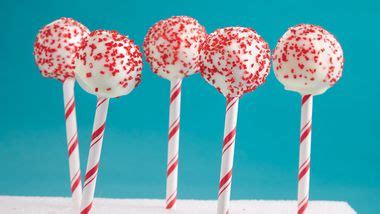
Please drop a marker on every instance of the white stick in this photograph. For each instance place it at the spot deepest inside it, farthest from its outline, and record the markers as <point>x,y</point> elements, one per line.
<point>304,154</point>
<point>173,144</point>
<point>72,141</point>
<point>227,156</point>
<point>94,155</point>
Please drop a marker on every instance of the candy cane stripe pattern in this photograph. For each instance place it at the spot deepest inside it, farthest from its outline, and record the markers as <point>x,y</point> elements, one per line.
<point>227,156</point>
<point>173,144</point>
<point>304,154</point>
<point>94,155</point>
<point>72,140</point>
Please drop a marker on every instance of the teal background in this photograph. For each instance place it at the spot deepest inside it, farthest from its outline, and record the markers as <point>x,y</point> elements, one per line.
<point>345,147</point>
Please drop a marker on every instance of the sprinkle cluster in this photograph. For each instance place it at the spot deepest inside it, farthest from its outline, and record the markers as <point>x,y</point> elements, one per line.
<point>235,60</point>
<point>108,64</point>
<point>172,46</point>
<point>308,59</point>
<point>55,47</point>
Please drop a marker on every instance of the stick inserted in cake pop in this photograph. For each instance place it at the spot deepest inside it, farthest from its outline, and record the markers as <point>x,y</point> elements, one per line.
<point>308,60</point>
<point>172,48</point>
<point>108,65</point>
<point>235,60</point>
<point>54,50</point>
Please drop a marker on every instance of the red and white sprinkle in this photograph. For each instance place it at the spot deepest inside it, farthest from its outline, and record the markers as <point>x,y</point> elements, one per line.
<point>308,59</point>
<point>235,60</point>
<point>108,64</point>
<point>172,46</point>
<point>55,47</point>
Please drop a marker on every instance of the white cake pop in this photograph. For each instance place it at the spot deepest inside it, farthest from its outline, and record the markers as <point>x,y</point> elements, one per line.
<point>172,47</point>
<point>235,60</point>
<point>108,64</point>
<point>55,47</point>
<point>308,59</point>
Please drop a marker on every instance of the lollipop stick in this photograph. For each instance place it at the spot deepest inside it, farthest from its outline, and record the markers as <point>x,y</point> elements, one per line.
<point>173,144</point>
<point>72,141</point>
<point>94,155</point>
<point>304,156</point>
<point>227,156</point>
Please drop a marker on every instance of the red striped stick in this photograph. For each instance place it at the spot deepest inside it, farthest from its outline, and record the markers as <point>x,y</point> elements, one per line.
<point>227,156</point>
<point>173,144</point>
<point>72,141</point>
<point>304,156</point>
<point>94,155</point>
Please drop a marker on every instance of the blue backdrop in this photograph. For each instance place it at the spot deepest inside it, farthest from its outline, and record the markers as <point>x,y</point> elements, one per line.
<point>345,146</point>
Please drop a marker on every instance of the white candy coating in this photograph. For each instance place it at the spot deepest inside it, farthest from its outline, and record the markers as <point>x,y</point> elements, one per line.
<point>55,47</point>
<point>308,59</point>
<point>235,60</point>
<point>108,64</point>
<point>172,46</point>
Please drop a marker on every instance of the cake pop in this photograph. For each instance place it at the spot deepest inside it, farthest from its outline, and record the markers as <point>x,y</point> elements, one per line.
<point>108,65</point>
<point>171,47</point>
<point>235,60</point>
<point>308,60</point>
<point>54,51</point>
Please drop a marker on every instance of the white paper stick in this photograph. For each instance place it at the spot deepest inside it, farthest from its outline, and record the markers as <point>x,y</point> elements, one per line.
<point>304,154</point>
<point>173,143</point>
<point>227,156</point>
<point>94,155</point>
<point>72,141</point>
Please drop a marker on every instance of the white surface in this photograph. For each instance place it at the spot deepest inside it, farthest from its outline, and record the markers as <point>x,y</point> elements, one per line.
<point>50,205</point>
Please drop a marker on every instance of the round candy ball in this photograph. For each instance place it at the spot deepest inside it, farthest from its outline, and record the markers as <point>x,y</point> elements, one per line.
<point>55,47</point>
<point>308,59</point>
<point>108,64</point>
<point>235,60</point>
<point>172,46</point>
